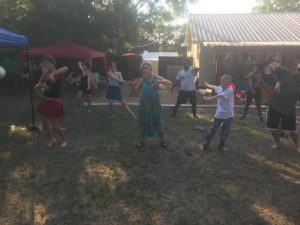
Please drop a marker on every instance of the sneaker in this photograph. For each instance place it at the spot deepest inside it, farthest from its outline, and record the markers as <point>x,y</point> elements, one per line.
<point>223,149</point>
<point>163,144</point>
<point>63,144</point>
<point>195,116</point>
<point>140,144</point>
<point>203,148</point>
<point>51,143</point>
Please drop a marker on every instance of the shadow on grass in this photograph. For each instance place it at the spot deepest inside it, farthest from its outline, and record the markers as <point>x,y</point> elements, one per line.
<point>101,178</point>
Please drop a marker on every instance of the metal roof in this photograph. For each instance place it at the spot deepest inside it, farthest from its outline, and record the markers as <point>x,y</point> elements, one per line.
<point>245,29</point>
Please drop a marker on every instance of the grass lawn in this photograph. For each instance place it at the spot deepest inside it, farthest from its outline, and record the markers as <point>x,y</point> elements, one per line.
<point>102,178</point>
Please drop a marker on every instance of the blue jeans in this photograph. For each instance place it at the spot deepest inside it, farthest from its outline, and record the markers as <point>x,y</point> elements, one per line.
<point>226,124</point>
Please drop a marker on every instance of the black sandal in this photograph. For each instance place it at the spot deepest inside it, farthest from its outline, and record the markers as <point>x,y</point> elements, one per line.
<point>140,144</point>
<point>163,144</point>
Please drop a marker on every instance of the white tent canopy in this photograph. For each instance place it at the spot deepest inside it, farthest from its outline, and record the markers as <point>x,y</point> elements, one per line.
<point>153,58</point>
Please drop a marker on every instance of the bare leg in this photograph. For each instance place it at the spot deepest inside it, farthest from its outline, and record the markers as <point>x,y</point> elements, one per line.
<point>161,136</point>
<point>88,97</point>
<point>295,139</point>
<point>142,139</point>
<point>59,130</point>
<point>48,131</point>
<point>276,136</point>
<point>78,99</point>
<point>142,136</point>
<point>111,105</point>
<point>124,104</point>
<point>162,139</point>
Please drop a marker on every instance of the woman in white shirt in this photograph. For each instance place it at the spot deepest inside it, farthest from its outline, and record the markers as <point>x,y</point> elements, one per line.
<point>114,78</point>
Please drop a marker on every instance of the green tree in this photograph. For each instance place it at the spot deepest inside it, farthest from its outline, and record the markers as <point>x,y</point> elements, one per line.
<point>277,6</point>
<point>113,26</point>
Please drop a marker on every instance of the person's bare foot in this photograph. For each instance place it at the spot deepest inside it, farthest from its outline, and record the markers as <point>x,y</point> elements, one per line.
<point>51,143</point>
<point>64,144</point>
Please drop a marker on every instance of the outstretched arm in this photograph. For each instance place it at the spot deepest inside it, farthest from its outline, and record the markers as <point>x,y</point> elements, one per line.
<point>163,81</point>
<point>208,85</point>
<point>210,98</point>
<point>59,73</point>
<point>136,84</point>
<point>41,81</point>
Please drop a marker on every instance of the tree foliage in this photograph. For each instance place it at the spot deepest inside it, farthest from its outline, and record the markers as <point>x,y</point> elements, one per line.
<point>278,6</point>
<point>113,26</point>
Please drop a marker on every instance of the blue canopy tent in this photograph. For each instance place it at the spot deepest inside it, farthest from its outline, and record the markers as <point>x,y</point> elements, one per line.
<point>11,39</point>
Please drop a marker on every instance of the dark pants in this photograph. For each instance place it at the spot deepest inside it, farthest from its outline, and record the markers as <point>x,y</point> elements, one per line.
<point>182,98</point>
<point>226,124</point>
<point>257,97</point>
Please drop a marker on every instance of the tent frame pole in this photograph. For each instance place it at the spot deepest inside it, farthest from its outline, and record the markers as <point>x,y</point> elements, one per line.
<point>32,127</point>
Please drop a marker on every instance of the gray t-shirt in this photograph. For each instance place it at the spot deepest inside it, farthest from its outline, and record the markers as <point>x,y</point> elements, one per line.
<point>286,92</point>
<point>112,81</point>
<point>187,79</point>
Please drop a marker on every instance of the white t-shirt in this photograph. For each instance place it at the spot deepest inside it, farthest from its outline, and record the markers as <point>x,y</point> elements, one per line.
<point>114,82</point>
<point>187,79</point>
<point>225,104</point>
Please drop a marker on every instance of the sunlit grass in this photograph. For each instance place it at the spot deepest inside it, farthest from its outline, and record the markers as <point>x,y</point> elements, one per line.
<point>110,175</point>
<point>286,172</point>
<point>271,215</point>
<point>19,130</point>
<point>5,154</point>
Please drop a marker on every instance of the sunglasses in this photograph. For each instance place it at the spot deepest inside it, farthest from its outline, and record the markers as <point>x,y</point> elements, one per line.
<point>146,66</point>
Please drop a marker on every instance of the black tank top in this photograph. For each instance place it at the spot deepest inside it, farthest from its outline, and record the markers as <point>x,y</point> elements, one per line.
<point>52,90</point>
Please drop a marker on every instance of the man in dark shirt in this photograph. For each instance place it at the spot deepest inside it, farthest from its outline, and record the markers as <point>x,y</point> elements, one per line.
<point>282,105</point>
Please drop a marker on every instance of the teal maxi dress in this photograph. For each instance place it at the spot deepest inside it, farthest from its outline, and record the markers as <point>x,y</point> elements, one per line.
<point>150,108</point>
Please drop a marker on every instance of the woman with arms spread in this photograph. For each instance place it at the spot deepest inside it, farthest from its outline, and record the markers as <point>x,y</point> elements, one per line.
<point>150,108</point>
<point>114,78</point>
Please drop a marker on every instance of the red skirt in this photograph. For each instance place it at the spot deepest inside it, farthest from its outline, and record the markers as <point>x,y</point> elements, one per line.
<point>52,108</point>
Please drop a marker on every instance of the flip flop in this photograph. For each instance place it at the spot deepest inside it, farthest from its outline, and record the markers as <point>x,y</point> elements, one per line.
<point>50,144</point>
<point>140,144</point>
<point>163,144</point>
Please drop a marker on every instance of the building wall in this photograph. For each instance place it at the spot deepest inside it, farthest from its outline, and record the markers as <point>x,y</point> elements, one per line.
<point>207,66</point>
<point>239,61</point>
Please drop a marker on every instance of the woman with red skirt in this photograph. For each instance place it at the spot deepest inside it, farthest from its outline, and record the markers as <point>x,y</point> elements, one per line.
<point>50,106</point>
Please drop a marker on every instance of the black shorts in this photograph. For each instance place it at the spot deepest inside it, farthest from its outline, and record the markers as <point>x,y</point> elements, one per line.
<point>184,95</point>
<point>280,121</point>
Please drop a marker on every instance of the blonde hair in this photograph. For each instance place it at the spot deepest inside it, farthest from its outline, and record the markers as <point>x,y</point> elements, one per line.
<point>227,78</point>
<point>146,65</point>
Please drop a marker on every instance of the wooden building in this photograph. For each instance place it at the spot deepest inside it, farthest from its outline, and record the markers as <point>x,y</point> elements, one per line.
<point>234,43</point>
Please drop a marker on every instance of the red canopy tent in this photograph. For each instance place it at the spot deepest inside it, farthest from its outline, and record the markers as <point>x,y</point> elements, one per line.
<point>73,51</point>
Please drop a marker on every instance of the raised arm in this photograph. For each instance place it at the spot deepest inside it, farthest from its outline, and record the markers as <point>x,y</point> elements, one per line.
<point>137,84</point>
<point>163,81</point>
<point>41,81</point>
<point>60,72</point>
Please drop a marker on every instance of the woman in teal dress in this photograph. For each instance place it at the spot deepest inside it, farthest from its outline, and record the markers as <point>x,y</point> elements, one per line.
<point>150,123</point>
